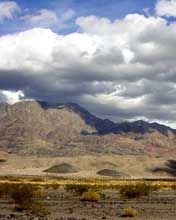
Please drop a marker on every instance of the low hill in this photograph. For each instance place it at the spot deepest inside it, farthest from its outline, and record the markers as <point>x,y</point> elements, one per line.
<point>112,173</point>
<point>62,168</point>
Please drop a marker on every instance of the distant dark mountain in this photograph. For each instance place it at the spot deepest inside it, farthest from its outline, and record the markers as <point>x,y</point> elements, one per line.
<point>141,127</point>
<point>101,126</point>
<point>31,127</point>
<point>106,126</point>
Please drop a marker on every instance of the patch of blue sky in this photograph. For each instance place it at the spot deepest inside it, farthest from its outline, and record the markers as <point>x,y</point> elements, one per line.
<point>111,9</point>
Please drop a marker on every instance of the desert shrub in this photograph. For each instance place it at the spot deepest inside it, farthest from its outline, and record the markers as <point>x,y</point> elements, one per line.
<point>173,187</point>
<point>91,196</point>
<point>40,192</point>
<point>26,197</point>
<point>129,212</point>
<point>39,207</point>
<point>16,179</point>
<point>37,179</point>
<point>22,193</point>
<point>71,210</point>
<point>98,187</point>
<point>135,191</point>
<point>54,186</point>
<point>3,160</point>
<point>78,189</point>
<point>4,189</point>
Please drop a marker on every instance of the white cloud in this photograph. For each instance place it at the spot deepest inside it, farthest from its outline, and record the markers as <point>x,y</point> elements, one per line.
<point>44,17</point>
<point>166,8</point>
<point>11,97</point>
<point>47,18</point>
<point>67,15</point>
<point>8,9</point>
<point>124,68</point>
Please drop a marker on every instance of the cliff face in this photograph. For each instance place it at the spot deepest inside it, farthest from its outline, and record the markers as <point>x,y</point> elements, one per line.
<point>31,127</point>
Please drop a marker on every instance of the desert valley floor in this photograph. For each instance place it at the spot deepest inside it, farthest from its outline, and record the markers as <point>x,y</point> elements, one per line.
<point>88,166</point>
<point>65,205</point>
<point>62,204</point>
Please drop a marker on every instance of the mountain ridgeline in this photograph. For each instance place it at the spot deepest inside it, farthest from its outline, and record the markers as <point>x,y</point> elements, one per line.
<point>106,126</point>
<point>33,127</point>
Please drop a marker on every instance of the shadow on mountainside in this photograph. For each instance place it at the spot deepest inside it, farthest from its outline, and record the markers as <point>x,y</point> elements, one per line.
<point>170,168</point>
<point>106,126</point>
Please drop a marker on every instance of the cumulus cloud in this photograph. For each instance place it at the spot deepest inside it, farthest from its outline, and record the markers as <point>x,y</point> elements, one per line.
<point>123,69</point>
<point>8,9</point>
<point>166,8</point>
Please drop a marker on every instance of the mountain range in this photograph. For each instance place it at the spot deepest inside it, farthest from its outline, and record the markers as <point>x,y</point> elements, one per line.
<point>67,129</point>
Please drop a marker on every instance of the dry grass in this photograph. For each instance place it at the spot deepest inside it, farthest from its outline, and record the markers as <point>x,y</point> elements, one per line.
<point>81,185</point>
<point>29,193</point>
<point>25,196</point>
<point>137,191</point>
<point>91,196</point>
<point>104,183</point>
<point>78,189</point>
<point>129,212</point>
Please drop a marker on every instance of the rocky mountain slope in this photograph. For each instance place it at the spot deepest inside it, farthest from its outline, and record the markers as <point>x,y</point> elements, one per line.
<point>31,127</point>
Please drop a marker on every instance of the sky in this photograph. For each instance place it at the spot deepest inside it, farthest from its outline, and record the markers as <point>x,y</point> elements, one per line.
<point>114,57</point>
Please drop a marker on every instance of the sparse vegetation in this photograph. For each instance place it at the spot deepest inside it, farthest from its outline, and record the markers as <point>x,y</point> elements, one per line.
<point>91,196</point>
<point>129,212</point>
<point>3,160</point>
<point>78,189</point>
<point>136,191</point>
<point>37,179</point>
<point>24,196</point>
<point>173,187</point>
<point>54,186</point>
<point>4,189</point>
<point>28,195</point>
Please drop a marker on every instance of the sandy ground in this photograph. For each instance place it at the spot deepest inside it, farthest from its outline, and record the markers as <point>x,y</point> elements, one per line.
<point>63,205</point>
<point>133,166</point>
